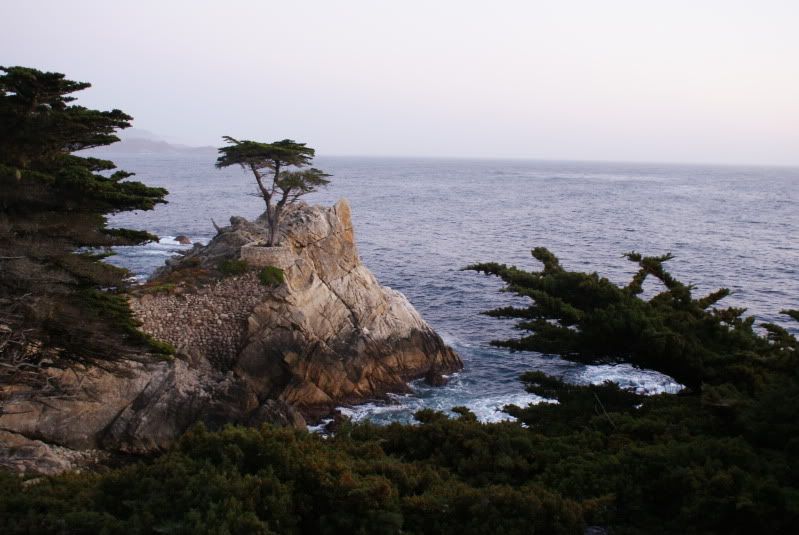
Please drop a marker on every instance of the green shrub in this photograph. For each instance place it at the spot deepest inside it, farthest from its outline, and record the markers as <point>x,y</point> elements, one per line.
<point>233,267</point>
<point>129,236</point>
<point>271,276</point>
<point>283,481</point>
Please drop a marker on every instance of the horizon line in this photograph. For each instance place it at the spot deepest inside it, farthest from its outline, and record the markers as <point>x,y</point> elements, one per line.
<point>182,148</point>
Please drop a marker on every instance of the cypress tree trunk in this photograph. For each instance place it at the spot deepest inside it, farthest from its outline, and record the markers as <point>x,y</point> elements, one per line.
<point>274,226</point>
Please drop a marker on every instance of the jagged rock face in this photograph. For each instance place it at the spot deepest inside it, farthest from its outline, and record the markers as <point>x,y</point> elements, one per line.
<point>329,334</point>
<point>22,454</point>
<point>128,407</point>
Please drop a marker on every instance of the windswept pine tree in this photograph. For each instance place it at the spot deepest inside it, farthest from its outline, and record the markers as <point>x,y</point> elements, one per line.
<point>58,301</point>
<point>586,318</point>
<point>282,171</point>
<point>721,456</point>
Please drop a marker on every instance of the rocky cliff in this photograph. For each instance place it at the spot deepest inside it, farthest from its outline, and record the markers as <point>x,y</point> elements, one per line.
<point>247,352</point>
<point>330,333</point>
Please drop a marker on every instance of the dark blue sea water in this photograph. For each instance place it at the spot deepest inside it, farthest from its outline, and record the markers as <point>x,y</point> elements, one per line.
<point>419,221</point>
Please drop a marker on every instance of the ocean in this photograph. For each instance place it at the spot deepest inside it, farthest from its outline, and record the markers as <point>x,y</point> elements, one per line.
<point>418,222</point>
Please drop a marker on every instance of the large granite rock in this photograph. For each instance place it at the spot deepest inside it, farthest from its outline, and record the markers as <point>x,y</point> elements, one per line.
<point>329,334</point>
<point>248,353</point>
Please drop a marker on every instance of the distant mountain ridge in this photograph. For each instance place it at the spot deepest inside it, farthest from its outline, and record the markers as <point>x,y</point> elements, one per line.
<point>137,141</point>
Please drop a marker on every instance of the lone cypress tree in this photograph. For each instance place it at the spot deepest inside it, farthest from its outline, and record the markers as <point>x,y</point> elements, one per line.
<point>57,299</point>
<point>271,164</point>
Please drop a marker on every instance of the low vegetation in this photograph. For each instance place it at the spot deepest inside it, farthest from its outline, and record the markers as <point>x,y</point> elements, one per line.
<point>280,481</point>
<point>232,267</point>
<point>271,276</point>
<point>721,457</point>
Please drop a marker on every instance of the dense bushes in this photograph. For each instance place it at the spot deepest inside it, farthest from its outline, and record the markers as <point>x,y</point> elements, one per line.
<point>722,457</point>
<point>280,481</point>
<point>231,267</point>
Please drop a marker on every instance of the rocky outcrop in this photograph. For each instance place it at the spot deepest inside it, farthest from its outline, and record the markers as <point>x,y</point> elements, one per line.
<point>248,353</point>
<point>22,454</point>
<point>329,334</point>
<point>132,407</point>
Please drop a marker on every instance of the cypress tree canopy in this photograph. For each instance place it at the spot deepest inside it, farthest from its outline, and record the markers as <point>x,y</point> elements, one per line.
<point>52,204</point>
<point>271,164</point>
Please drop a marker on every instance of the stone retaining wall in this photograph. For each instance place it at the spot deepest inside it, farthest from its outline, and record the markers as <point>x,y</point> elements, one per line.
<point>207,322</point>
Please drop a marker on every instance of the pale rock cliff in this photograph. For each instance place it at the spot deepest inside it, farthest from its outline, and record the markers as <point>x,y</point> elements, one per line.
<point>329,334</point>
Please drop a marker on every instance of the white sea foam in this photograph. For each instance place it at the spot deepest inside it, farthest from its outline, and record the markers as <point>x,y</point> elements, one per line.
<point>489,408</point>
<point>170,241</point>
<point>640,381</point>
<point>401,408</point>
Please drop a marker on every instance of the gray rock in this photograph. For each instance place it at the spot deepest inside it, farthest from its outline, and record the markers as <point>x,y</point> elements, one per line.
<point>278,413</point>
<point>26,455</point>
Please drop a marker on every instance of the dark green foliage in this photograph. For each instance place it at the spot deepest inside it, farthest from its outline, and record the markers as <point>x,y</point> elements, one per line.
<point>131,237</point>
<point>722,456</point>
<point>585,317</point>
<point>113,309</point>
<point>232,267</point>
<point>51,204</point>
<point>264,156</point>
<point>271,276</point>
<point>38,123</point>
<point>270,164</point>
<point>281,481</point>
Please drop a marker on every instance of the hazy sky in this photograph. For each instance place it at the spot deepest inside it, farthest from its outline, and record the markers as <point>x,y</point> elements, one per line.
<point>698,81</point>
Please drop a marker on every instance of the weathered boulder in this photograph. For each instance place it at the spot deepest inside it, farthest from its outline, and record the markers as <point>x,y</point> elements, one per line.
<point>126,407</point>
<point>22,454</point>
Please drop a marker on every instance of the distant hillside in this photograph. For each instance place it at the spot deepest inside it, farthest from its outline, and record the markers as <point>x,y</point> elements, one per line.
<point>137,141</point>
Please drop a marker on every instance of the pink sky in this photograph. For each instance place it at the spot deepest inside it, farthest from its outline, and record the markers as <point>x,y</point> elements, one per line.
<point>700,81</point>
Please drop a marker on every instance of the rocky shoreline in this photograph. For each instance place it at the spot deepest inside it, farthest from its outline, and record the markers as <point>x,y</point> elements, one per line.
<point>246,352</point>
